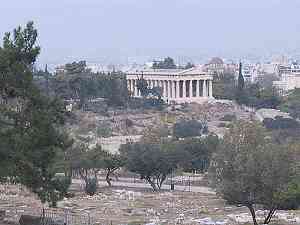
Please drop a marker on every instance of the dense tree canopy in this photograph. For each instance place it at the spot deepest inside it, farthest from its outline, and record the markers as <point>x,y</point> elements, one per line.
<point>30,138</point>
<point>291,103</point>
<point>167,63</point>
<point>78,82</point>
<point>224,86</point>
<point>153,158</point>
<point>188,128</point>
<point>249,169</point>
<point>197,152</point>
<point>152,161</point>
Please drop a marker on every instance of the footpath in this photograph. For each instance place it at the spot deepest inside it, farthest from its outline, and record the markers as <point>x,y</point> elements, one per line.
<point>165,187</point>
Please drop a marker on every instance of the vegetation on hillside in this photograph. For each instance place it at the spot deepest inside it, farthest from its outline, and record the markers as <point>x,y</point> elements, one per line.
<point>30,120</point>
<point>249,168</point>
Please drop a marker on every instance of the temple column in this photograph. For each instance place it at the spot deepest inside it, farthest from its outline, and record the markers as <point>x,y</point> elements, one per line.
<point>165,89</point>
<point>173,89</point>
<point>130,86</point>
<point>197,89</point>
<point>204,89</point>
<point>152,83</point>
<point>184,89</point>
<point>160,86</point>
<point>210,89</point>
<point>169,89</point>
<point>135,89</point>
<point>177,89</point>
<point>191,88</point>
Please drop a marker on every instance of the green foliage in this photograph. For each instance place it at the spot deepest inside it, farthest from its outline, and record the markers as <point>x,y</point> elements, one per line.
<point>241,81</point>
<point>198,153</point>
<point>104,130</point>
<point>268,98</point>
<point>30,122</point>
<point>254,95</point>
<point>291,196</point>
<point>91,186</point>
<point>167,63</point>
<point>60,190</point>
<point>259,94</point>
<point>187,128</point>
<point>83,85</point>
<point>224,86</point>
<point>153,102</point>
<point>153,162</point>
<point>189,65</point>
<point>142,86</point>
<point>281,123</point>
<point>291,104</point>
<point>88,162</point>
<point>111,163</point>
<point>249,169</point>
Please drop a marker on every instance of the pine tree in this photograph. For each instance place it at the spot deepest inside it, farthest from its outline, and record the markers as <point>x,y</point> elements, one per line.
<point>29,120</point>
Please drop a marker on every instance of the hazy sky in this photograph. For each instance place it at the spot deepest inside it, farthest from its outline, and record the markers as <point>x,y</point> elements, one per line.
<point>96,29</point>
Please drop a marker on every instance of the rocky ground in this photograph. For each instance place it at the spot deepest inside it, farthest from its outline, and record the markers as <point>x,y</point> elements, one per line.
<point>137,207</point>
<point>116,126</point>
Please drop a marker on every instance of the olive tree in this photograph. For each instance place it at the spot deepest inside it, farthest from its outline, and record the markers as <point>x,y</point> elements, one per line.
<point>250,170</point>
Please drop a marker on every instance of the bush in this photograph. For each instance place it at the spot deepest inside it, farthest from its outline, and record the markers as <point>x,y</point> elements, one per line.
<point>281,123</point>
<point>62,185</point>
<point>292,197</point>
<point>187,128</point>
<point>103,130</point>
<point>91,186</point>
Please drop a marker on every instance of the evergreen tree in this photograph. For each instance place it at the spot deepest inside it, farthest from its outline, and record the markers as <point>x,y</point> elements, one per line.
<point>241,82</point>
<point>30,139</point>
<point>241,96</point>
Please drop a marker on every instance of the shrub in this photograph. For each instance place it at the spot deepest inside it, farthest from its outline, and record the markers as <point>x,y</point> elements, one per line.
<point>62,185</point>
<point>292,197</point>
<point>103,130</point>
<point>91,186</point>
<point>280,123</point>
<point>187,128</point>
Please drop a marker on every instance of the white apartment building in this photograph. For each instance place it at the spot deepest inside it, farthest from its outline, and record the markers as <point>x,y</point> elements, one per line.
<point>289,78</point>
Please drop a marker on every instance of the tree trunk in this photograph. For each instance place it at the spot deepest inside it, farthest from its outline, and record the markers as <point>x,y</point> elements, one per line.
<point>108,180</point>
<point>152,184</point>
<point>270,215</point>
<point>160,181</point>
<point>252,211</point>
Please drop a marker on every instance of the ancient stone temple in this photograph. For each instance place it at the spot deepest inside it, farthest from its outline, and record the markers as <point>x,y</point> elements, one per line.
<point>178,86</point>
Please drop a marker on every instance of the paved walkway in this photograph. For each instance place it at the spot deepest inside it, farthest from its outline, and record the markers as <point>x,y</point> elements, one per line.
<point>195,189</point>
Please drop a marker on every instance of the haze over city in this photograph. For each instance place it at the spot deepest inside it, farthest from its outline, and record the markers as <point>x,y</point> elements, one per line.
<point>150,112</point>
<point>132,30</point>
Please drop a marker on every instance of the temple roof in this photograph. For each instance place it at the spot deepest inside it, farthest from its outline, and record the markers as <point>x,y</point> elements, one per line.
<point>192,71</point>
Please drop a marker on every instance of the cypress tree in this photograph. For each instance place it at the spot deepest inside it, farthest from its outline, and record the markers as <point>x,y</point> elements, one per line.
<point>241,82</point>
